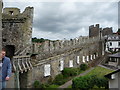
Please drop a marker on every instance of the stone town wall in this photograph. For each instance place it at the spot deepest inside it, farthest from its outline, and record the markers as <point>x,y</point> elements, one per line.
<point>52,48</point>
<point>47,68</point>
<point>17,28</point>
<point>52,56</point>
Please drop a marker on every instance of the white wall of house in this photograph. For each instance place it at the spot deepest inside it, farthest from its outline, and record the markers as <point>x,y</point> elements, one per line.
<point>113,83</point>
<point>114,44</point>
<point>119,80</point>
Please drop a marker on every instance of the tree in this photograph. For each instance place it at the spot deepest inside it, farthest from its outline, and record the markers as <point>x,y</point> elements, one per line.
<point>88,82</point>
<point>118,31</point>
<point>37,40</point>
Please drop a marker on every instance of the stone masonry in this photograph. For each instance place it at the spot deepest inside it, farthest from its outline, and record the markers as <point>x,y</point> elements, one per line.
<point>67,53</point>
<point>94,30</point>
<point>17,30</point>
<point>1,24</point>
<point>51,56</point>
<point>52,48</point>
<point>97,31</point>
<point>107,31</point>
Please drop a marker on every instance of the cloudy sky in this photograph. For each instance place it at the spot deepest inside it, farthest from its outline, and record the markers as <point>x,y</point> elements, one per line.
<point>68,19</point>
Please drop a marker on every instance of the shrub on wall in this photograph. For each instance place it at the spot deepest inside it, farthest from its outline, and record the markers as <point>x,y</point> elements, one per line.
<point>83,67</point>
<point>36,84</point>
<point>65,75</point>
<point>59,80</point>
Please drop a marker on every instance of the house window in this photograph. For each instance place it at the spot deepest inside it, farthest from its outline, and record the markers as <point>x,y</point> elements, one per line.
<point>87,58</point>
<point>78,59</point>
<point>47,70</point>
<point>83,59</point>
<point>11,12</point>
<point>118,43</point>
<point>91,57</point>
<point>61,65</point>
<point>110,43</point>
<point>71,63</point>
<point>113,76</point>
<point>94,56</point>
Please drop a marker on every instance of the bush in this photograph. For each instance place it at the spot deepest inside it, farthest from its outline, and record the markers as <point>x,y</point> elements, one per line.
<point>70,72</point>
<point>83,67</point>
<point>84,82</point>
<point>59,80</point>
<point>88,82</point>
<point>36,84</point>
<point>66,73</point>
<point>102,82</point>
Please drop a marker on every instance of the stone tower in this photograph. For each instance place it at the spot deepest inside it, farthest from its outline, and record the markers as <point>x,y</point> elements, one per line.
<point>107,31</point>
<point>94,30</point>
<point>1,5</point>
<point>97,31</point>
<point>17,30</point>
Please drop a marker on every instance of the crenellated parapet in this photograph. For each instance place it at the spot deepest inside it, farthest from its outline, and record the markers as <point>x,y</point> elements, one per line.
<point>52,48</point>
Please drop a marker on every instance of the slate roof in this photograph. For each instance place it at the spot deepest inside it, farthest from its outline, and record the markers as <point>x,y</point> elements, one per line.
<point>109,75</point>
<point>116,55</point>
<point>113,38</point>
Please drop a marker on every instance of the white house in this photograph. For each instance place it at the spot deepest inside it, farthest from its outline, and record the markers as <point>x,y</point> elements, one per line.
<point>113,42</point>
<point>114,60</point>
<point>114,77</point>
<point>114,80</point>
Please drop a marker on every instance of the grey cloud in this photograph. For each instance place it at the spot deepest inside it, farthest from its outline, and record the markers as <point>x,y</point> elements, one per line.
<point>70,19</point>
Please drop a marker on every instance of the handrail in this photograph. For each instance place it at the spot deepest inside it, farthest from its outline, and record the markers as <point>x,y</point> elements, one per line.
<point>22,56</point>
<point>22,62</point>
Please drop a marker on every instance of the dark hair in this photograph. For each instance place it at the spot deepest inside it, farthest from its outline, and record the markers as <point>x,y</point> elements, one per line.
<point>3,49</point>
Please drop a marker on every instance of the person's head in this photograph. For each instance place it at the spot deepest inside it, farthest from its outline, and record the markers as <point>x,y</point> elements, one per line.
<point>3,53</point>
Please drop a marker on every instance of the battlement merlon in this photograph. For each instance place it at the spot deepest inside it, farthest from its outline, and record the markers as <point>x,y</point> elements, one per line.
<point>11,11</point>
<point>15,12</point>
<point>92,26</point>
<point>28,12</point>
<point>108,28</point>
<point>96,26</point>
